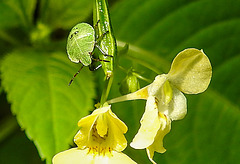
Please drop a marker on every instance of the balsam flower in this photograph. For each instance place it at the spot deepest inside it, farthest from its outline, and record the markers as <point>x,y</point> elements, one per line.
<point>100,140</point>
<point>190,73</point>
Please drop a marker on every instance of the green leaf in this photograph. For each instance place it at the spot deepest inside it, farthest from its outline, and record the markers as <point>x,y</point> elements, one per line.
<point>16,19</point>
<point>17,11</point>
<point>7,17</point>
<point>210,131</point>
<point>48,109</point>
<point>64,13</point>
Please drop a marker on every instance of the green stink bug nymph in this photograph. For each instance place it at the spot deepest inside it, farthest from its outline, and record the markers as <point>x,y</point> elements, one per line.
<point>80,42</point>
<point>80,45</point>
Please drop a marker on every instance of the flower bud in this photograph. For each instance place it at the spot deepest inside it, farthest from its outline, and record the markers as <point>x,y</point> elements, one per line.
<point>129,84</point>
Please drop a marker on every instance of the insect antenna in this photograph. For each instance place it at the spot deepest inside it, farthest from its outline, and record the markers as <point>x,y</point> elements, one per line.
<point>75,75</point>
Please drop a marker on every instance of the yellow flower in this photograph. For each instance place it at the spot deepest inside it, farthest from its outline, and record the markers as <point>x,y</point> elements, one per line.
<point>99,140</point>
<point>190,73</point>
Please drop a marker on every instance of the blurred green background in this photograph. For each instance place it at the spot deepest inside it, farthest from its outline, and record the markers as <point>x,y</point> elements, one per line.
<point>35,71</point>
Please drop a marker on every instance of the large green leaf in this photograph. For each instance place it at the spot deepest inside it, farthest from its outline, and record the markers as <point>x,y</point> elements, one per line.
<point>210,131</point>
<point>16,17</point>
<point>64,13</point>
<point>45,106</point>
<point>7,17</point>
<point>14,11</point>
<point>36,81</point>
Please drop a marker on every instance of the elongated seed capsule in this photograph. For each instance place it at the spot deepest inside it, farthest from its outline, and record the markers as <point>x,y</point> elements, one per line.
<point>108,42</point>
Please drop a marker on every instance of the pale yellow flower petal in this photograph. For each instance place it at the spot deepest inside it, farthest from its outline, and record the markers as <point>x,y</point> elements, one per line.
<point>139,94</point>
<point>158,142</point>
<point>167,92</point>
<point>190,71</point>
<point>155,88</point>
<point>116,130</point>
<point>73,156</point>
<point>78,156</point>
<point>101,110</point>
<point>150,123</point>
<point>177,107</point>
<point>120,158</point>
<point>121,125</point>
<point>101,125</point>
<point>102,129</point>
<point>85,124</point>
<point>82,138</point>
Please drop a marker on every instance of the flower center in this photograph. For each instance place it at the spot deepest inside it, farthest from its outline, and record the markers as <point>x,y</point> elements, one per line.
<point>102,151</point>
<point>96,137</point>
<point>99,148</point>
<point>167,93</point>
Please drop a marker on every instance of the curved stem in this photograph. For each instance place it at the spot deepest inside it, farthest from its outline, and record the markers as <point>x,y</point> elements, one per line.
<point>147,59</point>
<point>135,74</point>
<point>141,77</point>
<point>107,44</point>
<point>106,89</point>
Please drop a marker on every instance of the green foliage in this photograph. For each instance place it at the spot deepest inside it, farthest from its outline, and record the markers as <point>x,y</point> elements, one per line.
<point>209,132</point>
<point>17,12</point>
<point>35,72</point>
<point>35,79</point>
<point>45,106</point>
<point>108,42</point>
<point>64,13</point>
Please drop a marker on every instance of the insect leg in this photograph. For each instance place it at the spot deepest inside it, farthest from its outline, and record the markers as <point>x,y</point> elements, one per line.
<point>100,60</point>
<point>75,75</point>
<point>98,40</point>
<point>96,68</point>
<point>101,37</point>
<point>99,66</point>
<point>100,49</point>
<point>96,29</point>
<point>95,26</point>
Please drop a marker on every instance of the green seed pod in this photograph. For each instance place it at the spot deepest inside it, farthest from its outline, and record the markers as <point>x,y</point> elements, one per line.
<point>108,43</point>
<point>129,84</point>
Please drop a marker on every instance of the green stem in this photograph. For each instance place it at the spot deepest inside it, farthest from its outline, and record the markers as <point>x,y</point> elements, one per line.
<point>141,77</point>
<point>147,59</point>
<point>106,89</point>
<point>135,74</point>
<point>107,44</point>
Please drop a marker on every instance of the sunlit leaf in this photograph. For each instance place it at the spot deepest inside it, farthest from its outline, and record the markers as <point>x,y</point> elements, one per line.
<point>45,106</point>
<point>36,82</point>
